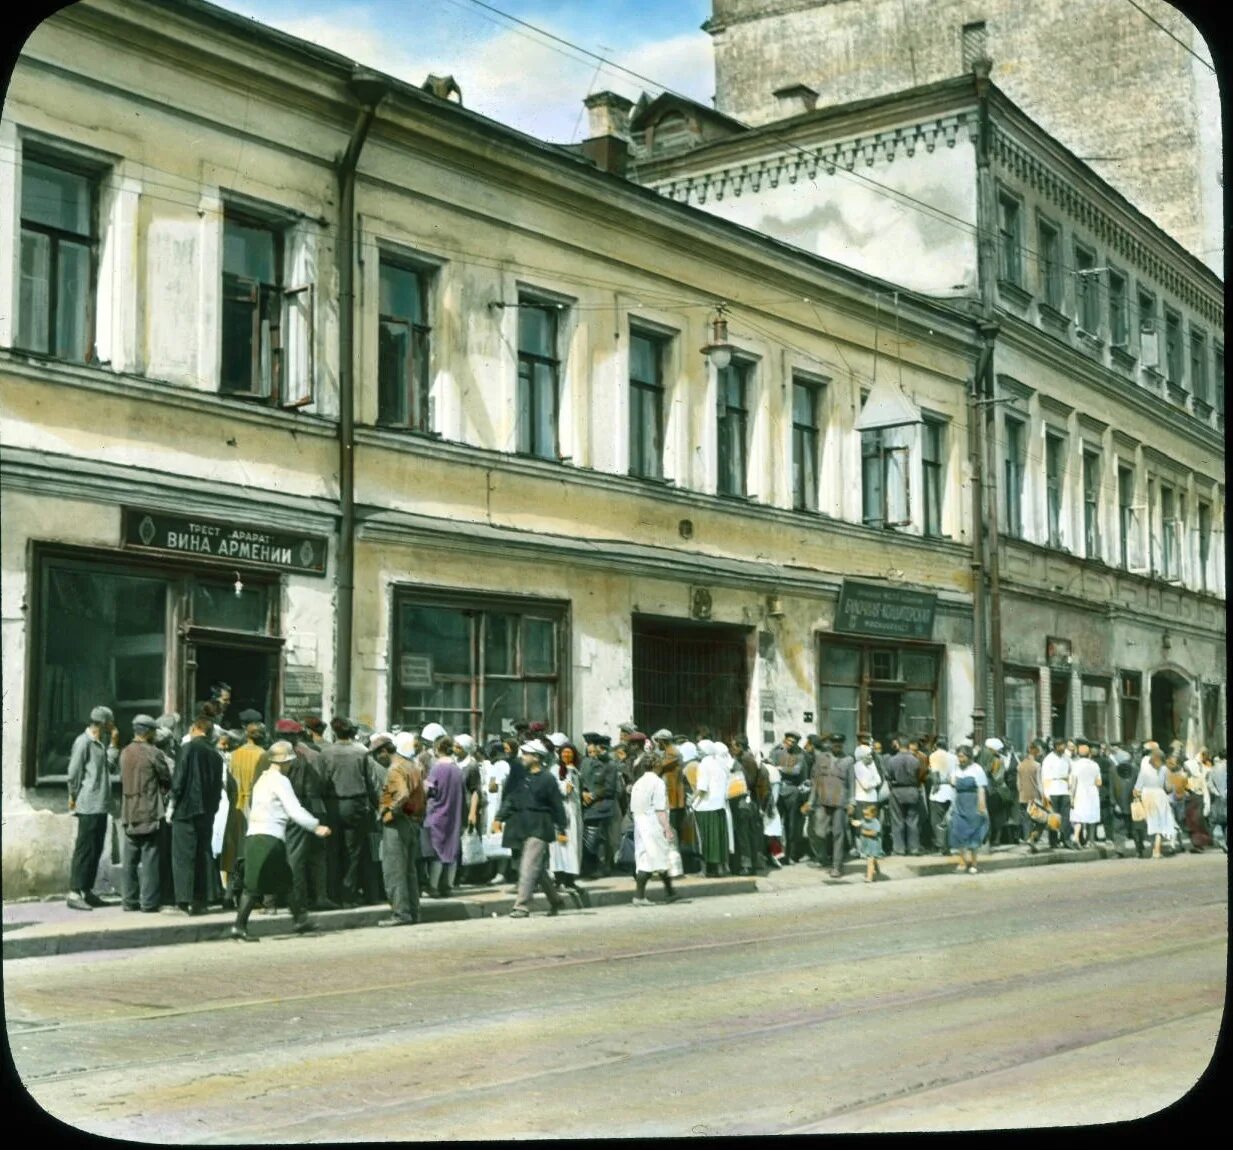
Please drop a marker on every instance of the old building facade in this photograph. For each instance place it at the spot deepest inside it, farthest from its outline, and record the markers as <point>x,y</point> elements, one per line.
<point>543,498</point>
<point>1128,87</point>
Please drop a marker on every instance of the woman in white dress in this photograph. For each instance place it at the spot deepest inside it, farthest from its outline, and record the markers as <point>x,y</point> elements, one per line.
<point>565,860</point>
<point>772,820</point>
<point>1085,782</point>
<point>493,774</point>
<point>648,803</point>
<point>1149,789</point>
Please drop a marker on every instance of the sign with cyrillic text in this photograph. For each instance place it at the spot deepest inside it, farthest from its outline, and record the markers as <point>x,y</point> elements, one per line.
<point>238,543</point>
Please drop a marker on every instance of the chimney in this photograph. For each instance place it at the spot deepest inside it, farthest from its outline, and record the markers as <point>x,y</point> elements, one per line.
<point>794,100</point>
<point>608,120</point>
<point>608,115</point>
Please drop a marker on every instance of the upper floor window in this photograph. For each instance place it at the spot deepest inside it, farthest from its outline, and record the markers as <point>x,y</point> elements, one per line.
<point>646,405</point>
<point>252,307</point>
<point>1218,372</point>
<point>1087,290</point>
<point>1010,239</point>
<point>933,453</point>
<point>1205,543</point>
<point>1119,335</point>
<point>1050,264</point>
<point>1174,364</point>
<point>538,378</point>
<point>1055,469</point>
<point>1169,532</point>
<point>1198,366</point>
<point>806,407</point>
<point>1015,440</point>
<point>1149,345</point>
<point>884,479</point>
<point>403,346</point>
<point>55,309</point>
<point>1091,505</point>
<point>1125,513</point>
<point>732,418</point>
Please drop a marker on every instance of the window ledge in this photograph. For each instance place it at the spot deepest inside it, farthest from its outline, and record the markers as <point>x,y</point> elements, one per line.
<point>1153,380</point>
<point>1088,340</point>
<point>1052,318</point>
<point>1177,393</point>
<point>1203,409</point>
<point>1014,293</point>
<point>1122,356</point>
<point>412,431</point>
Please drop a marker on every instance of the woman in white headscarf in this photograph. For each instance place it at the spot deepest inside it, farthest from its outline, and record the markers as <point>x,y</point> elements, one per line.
<point>710,804</point>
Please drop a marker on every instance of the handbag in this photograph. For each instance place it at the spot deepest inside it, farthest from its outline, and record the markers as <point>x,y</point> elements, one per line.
<point>737,788</point>
<point>1138,812</point>
<point>676,868</point>
<point>473,853</point>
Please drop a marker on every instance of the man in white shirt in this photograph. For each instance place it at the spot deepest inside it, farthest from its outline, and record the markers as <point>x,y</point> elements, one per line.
<point>942,766</point>
<point>1055,781</point>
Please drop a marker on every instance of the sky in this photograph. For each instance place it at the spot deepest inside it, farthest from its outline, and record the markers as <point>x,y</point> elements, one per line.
<point>506,71</point>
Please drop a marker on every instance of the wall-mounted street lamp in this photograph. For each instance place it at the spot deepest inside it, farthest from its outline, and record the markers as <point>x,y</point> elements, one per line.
<point>719,350</point>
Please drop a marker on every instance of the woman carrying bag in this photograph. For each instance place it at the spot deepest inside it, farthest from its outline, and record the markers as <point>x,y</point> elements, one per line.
<point>654,843</point>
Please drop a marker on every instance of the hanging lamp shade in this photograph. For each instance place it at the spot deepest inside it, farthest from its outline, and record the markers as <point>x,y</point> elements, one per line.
<point>887,406</point>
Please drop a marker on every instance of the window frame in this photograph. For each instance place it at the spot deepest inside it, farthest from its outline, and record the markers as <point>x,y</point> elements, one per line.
<point>1087,290</point>
<point>805,496</point>
<point>1092,542</point>
<point>1052,285</point>
<point>1119,308</point>
<point>1175,351</point>
<point>1010,238</point>
<point>1169,521</point>
<point>1013,468</point>
<point>1129,700</point>
<point>93,173</point>
<point>267,302</point>
<point>724,411</point>
<point>419,346</point>
<point>933,475</point>
<point>1125,514</point>
<point>1197,348</point>
<point>529,360</point>
<point>882,452</point>
<point>653,391</point>
<point>1055,485</point>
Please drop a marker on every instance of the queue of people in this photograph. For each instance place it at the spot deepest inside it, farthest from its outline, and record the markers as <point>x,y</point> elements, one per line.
<point>319,816</point>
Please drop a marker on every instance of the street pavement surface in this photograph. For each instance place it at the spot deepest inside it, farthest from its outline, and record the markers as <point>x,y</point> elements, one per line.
<point>1058,995</point>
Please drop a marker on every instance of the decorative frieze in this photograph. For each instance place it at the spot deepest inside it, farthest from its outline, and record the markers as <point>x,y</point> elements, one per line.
<point>792,164</point>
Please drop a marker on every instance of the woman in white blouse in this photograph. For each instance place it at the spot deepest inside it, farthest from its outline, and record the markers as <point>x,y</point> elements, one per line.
<point>1149,790</point>
<point>266,871</point>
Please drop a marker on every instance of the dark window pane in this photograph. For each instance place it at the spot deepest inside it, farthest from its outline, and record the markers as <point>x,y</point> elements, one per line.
<point>539,702</point>
<point>249,252</point>
<point>918,713</point>
<point>840,712</point>
<point>539,652</point>
<point>500,638</point>
<point>34,316</point>
<point>401,293</point>
<point>392,384</point>
<point>1021,706</point>
<point>239,316</point>
<point>217,605</point>
<point>545,411</point>
<point>841,665</point>
<point>919,667</point>
<point>644,358</point>
<point>537,334</point>
<point>55,198</point>
<point>73,302</point>
<point>441,633</point>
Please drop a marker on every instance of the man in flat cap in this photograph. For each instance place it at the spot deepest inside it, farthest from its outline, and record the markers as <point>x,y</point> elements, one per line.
<point>145,777</point>
<point>831,791</point>
<point>599,781</point>
<point>793,766</point>
<point>94,758</point>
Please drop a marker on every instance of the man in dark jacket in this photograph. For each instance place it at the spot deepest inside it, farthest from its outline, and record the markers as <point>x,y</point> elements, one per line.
<point>345,771</point>
<point>145,779</point>
<point>306,851</point>
<point>196,788</point>
<point>793,766</point>
<point>747,811</point>
<point>543,819</point>
<point>95,755</point>
<point>827,806</point>
<point>903,772</point>
<point>600,781</point>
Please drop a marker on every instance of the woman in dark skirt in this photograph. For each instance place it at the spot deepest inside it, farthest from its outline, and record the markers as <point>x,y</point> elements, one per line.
<point>969,822</point>
<point>266,870</point>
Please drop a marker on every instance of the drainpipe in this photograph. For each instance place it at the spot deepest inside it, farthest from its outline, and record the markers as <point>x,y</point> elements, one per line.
<point>987,649</point>
<point>369,89</point>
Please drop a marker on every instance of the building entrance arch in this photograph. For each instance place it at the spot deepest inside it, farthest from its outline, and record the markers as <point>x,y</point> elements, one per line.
<point>1171,704</point>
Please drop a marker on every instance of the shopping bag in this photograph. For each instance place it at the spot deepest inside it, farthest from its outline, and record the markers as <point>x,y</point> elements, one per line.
<point>473,849</point>
<point>676,867</point>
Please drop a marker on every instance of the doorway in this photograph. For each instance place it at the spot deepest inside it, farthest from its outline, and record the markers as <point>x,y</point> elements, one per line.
<point>885,714</point>
<point>251,671</point>
<point>1170,705</point>
<point>1059,705</point>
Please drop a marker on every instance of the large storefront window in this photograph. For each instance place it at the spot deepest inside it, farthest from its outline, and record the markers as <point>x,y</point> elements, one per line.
<point>139,638</point>
<point>1022,691</point>
<point>877,688</point>
<point>480,667</point>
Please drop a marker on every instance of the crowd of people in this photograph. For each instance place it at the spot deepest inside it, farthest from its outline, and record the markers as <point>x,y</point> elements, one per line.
<point>322,816</point>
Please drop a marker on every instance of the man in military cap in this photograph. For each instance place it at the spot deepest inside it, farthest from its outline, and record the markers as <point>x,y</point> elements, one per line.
<point>600,782</point>
<point>832,789</point>
<point>789,756</point>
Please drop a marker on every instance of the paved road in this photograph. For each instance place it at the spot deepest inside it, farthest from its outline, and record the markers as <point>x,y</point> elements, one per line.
<point>1027,997</point>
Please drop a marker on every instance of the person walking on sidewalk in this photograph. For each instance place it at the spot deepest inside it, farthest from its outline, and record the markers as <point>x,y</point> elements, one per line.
<point>94,758</point>
<point>600,781</point>
<point>710,805</point>
<point>969,824</point>
<point>145,777</point>
<point>543,820</point>
<point>1085,781</point>
<point>267,874</point>
<point>653,838</point>
<point>1028,781</point>
<point>402,807</point>
<point>1055,779</point>
<point>196,789</point>
<point>868,828</point>
<point>246,764</point>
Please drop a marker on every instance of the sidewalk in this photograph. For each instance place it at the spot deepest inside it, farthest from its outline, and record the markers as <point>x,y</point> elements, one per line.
<point>38,928</point>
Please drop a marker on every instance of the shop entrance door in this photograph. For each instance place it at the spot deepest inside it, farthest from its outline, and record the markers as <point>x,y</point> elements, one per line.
<point>250,665</point>
<point>885,714</point>
<point>1059,698</point>
<point>1170,703</point>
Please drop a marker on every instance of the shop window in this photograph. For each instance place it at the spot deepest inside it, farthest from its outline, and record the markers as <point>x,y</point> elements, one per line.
<point>1130,684</point>
<point>1095,697</point>
<point>1059,704</point>
<point>1022,700</point>
<point>403,348</point>
<point>933,453</point>
<point>1013,464</point>
<point>806,406</point>
<point>732,427</point>
<point>101,639</point>
<point>476,668</point>
<point>55,307</point>
<point>539,374</point>
<point>646,405</point>
<point>884,478</point>
<point>1050,239</point>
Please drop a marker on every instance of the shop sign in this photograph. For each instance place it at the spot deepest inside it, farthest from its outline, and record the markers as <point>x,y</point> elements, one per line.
<point>303,690</point>
<point>890,612</point>
<point>236,543</point>
<point>415,672</point>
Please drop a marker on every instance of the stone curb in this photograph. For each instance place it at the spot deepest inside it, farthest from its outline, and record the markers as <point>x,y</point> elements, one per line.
<point>36,940</point>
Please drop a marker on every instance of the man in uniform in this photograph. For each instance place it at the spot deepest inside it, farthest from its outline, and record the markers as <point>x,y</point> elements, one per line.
<point>832,787</point>
<point>599,782</point>
<point>793,765</point>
